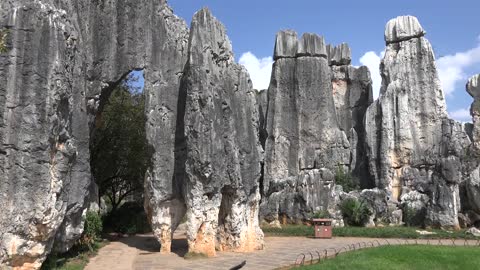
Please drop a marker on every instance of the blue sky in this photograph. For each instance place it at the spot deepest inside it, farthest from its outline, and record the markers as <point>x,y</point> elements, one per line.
<point>452,27</point>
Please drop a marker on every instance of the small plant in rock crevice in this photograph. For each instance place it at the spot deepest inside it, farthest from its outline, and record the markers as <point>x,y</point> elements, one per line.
<point>346,180</point>
<point>3,41</point>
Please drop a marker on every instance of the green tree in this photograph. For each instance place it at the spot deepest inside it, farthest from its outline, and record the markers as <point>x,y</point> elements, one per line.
<point>120,153</point>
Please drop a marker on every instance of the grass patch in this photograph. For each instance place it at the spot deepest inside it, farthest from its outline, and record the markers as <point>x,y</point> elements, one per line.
<point>75,259</point>
<point>376,232</point>
<point>404,257</point>
<point>195,255</point>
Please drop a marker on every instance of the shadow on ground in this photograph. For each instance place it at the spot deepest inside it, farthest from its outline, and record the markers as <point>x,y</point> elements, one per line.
<point>147,244</point>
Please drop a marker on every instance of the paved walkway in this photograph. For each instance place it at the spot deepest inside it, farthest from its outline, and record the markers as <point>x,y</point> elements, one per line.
<point>140,253</point>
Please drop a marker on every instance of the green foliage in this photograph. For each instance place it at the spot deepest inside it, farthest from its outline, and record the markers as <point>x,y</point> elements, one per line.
<point>412,217</point>
<point>92,230</point>
<point>346,180</point>
<point>93,226</point>
<point>375,232</point>
<point>120,153</point>
<point>75,259</point>
<point>3,40</point>
<point>321,214</point>
<point>355,212</point>
<point>130,218</point>
<point>404,257</point>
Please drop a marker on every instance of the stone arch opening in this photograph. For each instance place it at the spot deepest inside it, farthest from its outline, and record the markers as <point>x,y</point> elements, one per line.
<point>120,154</point>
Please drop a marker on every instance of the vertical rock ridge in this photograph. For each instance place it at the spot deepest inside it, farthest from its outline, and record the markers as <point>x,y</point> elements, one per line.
<point>304,142</point>
<point>406,127</point>
<point>223,149</point>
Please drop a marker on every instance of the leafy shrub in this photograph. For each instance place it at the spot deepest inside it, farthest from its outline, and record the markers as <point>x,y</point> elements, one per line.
<point>321,214</point>
<point>346,180</point>
<point>130,218</point>
<point>92,230</point>
<point>413,217</point>
<point>355,212</point>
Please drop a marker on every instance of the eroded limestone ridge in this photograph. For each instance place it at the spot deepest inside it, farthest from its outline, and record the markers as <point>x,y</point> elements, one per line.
<point>415,152</point>
<point>305,143</point>
<point>352,94</point>
<point>223,153</point>
<point>63,59</point>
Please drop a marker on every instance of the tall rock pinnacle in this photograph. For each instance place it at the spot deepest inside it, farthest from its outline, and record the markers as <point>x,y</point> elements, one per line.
<point>223,149</point>
<point>304,143</point>
<point>409,136</point>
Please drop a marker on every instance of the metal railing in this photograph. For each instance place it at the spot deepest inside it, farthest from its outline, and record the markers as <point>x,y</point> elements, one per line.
<point>317,256</point>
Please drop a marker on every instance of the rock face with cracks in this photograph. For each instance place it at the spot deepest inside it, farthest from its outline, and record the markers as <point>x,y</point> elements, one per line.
<point>63,60</point>
<point>206,127</point>
<point>304,144</point>
<point>412,146</point>
<point>352,94</point>
<point>223,150</point>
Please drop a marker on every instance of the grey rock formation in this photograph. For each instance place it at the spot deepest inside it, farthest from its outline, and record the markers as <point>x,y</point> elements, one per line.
<point>223,150</point>
<point>472,184</point>
<point>473,88</point>
<point>63,59</point>
<point>352,94</point>
<point>339,55</point>
<point>403,28</point>
<point>304,143</point>
<point>411,144</point>
<point>43,179</point>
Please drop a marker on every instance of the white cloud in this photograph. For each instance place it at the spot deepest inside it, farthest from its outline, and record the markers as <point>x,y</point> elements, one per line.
<point>372,61</point>
<point>461,115</point>
<point>451,68</point>
<point>260,69</point>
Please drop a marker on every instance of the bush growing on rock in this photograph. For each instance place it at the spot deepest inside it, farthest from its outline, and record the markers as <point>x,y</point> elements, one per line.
<point>3,41</point>
<point>413,217</point>
<point>321,214</point>
<point>355,212</point>
<point>92,229</point>
<point>346,180</point>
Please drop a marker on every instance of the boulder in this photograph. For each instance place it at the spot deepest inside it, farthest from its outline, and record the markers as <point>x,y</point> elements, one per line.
<point>473,231</point>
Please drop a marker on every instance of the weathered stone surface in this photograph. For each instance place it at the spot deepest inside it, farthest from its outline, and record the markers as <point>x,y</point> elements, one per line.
<point>63,59</point>
<point>410,141</point>
<point>311,45</point>
<point>286,45</point>
<point>40,136</point>
<point>223,150</point>
<point>339,55</point>
<point>403,28</point>
<point>473,88</point>
<point>303,136</point>
<point>473,231</point>
<point>352,94</point>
